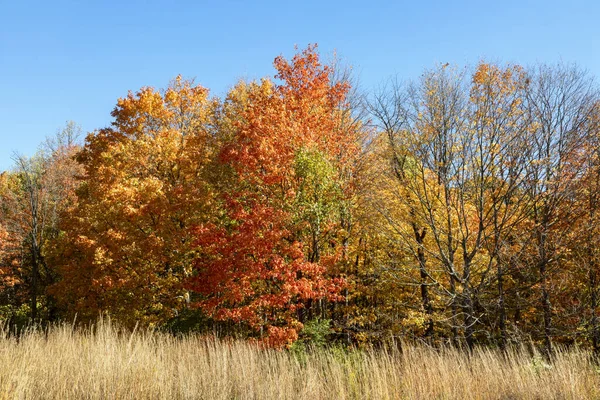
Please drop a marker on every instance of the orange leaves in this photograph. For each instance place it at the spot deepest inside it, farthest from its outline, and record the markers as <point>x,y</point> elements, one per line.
<point>145,185</point>
<point>252,265</point>
<point>8,259</point>
<point>302,112</point>
<point>180,180</point>
<point>281,336</point>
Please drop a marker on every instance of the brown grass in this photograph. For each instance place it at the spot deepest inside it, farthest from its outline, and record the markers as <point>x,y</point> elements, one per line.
<point>108,364</point>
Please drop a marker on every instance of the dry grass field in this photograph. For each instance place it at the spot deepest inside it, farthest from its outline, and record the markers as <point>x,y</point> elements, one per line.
<point>105,363</point>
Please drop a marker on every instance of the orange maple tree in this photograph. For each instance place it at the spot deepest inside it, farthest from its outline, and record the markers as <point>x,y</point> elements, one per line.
<point>126,246</point>
<point>253,266</point>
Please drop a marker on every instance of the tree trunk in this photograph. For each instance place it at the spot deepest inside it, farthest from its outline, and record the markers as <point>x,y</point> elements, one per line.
<point>594,305</point>
<point>547,310</point>
<point>467,304</point>
<point>34,279</point>
<point>419,237</point>
<point>455,311</point>
<point>501,307</point>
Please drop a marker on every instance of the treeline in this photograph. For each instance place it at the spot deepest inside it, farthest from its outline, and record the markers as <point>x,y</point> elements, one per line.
<point>462,208</point>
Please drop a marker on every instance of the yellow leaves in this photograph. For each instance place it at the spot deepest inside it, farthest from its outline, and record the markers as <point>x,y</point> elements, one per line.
<point>146,185</point>
<point>101,257</point>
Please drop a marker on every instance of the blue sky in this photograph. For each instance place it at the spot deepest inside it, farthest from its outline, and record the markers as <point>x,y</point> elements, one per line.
<point>71,60</point>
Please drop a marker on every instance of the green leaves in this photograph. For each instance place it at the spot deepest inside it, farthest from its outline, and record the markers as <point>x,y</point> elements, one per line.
<point>319,196</point>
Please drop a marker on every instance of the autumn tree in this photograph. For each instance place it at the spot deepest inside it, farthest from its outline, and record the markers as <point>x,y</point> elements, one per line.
<point>32,197</point>
<point>560,102</point>
<point>455,151</point>
<point>502,130</point>
<point>267,258</point>
<point>586,234</point>
<point>127,245</point>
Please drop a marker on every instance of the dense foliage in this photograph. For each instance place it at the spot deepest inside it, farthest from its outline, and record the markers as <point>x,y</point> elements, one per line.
<point>462,207</point>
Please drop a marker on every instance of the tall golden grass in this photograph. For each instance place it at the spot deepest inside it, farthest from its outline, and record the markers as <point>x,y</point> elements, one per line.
<point>107,363</point>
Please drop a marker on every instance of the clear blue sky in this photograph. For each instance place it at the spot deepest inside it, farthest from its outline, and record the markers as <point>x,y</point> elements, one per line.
<point>71,60</point>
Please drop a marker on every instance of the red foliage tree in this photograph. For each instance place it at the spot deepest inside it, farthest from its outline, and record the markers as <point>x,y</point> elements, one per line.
<point>253,266</point>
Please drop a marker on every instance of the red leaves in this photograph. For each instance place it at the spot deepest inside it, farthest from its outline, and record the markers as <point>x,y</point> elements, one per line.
<point>252,266</point>
<point>179,181</point>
